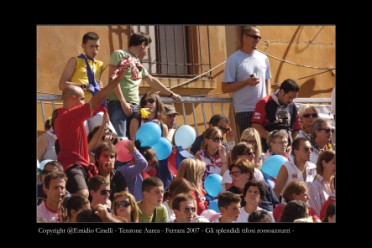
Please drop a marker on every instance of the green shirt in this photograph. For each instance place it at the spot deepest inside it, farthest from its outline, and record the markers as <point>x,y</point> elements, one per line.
<point>129,87</point>
<point>161,214</point>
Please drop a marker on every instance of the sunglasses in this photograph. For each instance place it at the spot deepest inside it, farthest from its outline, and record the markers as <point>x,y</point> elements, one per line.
<point>188,210</point>
<point>306,149</point>
<point>327,130</point>
<point>151,101</point>
<point>224,129</point>
<point>105,192</point>
<point>310,115</point>
<point>217,139</point>
<point>44,172</point>
<point>121,203</point>
<point>235,173</point>
<point>256,37</point>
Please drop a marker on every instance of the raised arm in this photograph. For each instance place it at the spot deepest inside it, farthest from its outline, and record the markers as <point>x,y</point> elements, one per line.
<point>106,91</point>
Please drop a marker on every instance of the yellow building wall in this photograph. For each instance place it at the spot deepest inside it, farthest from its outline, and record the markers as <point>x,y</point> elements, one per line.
<point>306,45</point>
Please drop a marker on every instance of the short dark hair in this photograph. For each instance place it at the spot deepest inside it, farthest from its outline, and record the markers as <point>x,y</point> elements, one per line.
<point>90,36</point>
<point>260,216</point>
<point>151,182</point>
<point>95,182</point>
<point>181,198</point>
<point>248,29</point>
<point>54,175</point>
<point>216,118</point>
<point>226,198</point>
<point>88,215</point>
<point>289,85</point>
<point>253,182</point>
<point>137,39</point>
<point>75,202</point>
<point>104,146</point>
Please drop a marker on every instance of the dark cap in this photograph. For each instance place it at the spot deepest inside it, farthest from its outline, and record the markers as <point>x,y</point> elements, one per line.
<point>170,109</point>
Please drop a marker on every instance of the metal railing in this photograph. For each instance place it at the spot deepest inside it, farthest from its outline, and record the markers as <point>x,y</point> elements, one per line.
<point>322,105</point>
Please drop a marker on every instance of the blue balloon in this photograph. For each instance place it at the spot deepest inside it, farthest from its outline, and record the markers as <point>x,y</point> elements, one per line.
<point>212,184</point>
<point>184,136</point>
<point>272,165</point>
<point>43,163</point>
<point>163,148</point>
<point>214,205</point>
<point>148,133</point>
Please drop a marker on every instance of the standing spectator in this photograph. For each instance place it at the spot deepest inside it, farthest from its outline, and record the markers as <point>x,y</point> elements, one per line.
<point>46,141</point>
<point>123,103</point>
<point>73,143</point>
<point>85,71</point>
<point>247,76</point>
<point>171,113</point>
<point>277,112</point>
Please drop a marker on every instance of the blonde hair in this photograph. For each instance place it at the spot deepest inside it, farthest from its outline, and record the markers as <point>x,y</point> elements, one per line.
<point>304,108</point>
<point>133,204</point>
<point>192,170</point>
<point>252,132</point>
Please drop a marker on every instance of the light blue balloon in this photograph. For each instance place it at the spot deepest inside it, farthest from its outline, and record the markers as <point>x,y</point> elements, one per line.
<point>163,148</point>
<point>184,136</point>
<point>214,205</point>
<point>148,133</point>
<point>212,184</point>
<point>43,163</point>
<point>272,165</point>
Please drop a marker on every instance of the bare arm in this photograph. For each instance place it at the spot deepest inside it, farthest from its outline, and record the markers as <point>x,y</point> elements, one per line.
<point>119,95</point>
<point>165,131</point>
<point>268,86</point>
<point>280,180</point>
<point>231,87</point>
<point>261,130</point>
<point>156,84</point>
<point>67,74</point>
<point>133,127</point>
<point>106,91</point>
<point>97,136</point>
<point>42,144</point>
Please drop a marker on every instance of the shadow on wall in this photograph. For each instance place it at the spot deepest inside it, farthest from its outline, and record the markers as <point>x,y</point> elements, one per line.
<point>306,88</point>
<point>118,32</point>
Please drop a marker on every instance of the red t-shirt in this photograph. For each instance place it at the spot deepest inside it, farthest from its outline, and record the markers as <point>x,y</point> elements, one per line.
<point>72,137</point>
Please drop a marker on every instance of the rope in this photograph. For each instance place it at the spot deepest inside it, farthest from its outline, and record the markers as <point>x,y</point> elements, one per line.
<point>292,63</point>
<point>192,79</point>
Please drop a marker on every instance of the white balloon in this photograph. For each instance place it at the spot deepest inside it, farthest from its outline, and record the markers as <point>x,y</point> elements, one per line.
<point>185,136</point>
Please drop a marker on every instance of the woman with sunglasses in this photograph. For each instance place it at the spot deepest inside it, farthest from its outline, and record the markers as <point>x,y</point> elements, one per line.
<point>308,114</point>
<point>213,153</point>
<point>124,207</point>
<point>152,102</point>
<point>251,136</point>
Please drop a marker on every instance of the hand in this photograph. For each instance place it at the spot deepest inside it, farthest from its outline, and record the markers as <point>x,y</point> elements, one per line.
<point>105,119</point>
<point>100,84</point>
<point>127,108</point>
<point>253,81</point>
<point>130,146</point>
<point>176,97</point>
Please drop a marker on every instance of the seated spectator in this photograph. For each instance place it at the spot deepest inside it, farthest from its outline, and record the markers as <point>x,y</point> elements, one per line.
<point>259,216</point>
<point>99,191</point>
<point>294,210</point>
<point>184,208</point>
<point>308,114</point>
<point>54,186</point>
<point>46,141</point>
<point>150,208</point>
<point>221,122</point>
<point>171,113</point>
<point>75,204</point>
<point>124,206</point>
<point>229,205</point>
<point>330,215</point>
<point>252,137</point>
